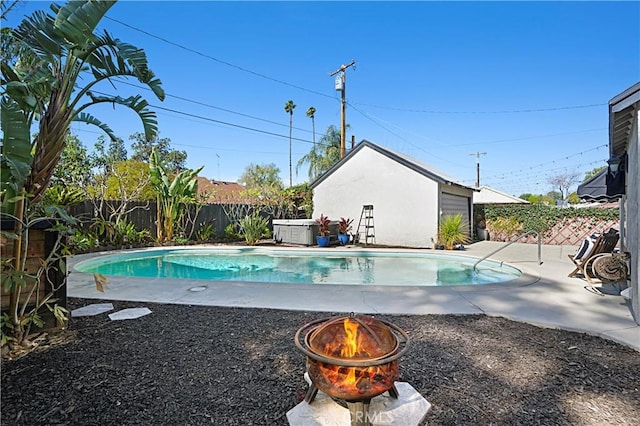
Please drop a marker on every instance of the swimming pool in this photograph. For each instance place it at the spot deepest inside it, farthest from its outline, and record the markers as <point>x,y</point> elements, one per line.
<point>305,267</point>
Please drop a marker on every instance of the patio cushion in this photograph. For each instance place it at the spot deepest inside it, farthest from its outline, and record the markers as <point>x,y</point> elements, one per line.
<point>584,249</point>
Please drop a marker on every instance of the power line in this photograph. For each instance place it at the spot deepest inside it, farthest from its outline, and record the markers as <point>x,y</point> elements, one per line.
<point>522,177</point>
<point>365,115</point>
<point>517,111</point>
<point>75,129</point>
<point>204,55</point>
<point>529,137</point>
<point>266,77</point>
<point>167,95</point>
<point>517,172</point>
<point>226,123</point>
<point>368,116</point>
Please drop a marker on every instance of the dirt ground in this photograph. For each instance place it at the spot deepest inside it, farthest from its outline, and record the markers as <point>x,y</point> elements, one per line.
<point>196,365</point>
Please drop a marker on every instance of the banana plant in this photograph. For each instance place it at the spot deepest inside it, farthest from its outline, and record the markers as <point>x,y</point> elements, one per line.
<point>52,82</point>
<point>173,195</point>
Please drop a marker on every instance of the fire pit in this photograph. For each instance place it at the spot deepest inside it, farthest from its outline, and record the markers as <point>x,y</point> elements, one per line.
<point>352,359</point>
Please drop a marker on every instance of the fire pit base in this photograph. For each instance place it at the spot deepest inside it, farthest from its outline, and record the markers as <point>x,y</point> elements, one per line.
<point>409,409</point>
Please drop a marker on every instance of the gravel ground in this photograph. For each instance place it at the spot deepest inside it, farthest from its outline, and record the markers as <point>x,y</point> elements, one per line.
<point>196,365</point>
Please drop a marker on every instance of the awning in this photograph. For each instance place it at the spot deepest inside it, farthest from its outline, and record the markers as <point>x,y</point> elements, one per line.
<point>605,186</point>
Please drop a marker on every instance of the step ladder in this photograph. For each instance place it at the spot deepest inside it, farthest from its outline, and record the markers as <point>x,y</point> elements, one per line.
<point>366,228</point>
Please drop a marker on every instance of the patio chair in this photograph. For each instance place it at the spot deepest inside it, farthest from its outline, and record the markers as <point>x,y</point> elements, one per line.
<point>604,244</point>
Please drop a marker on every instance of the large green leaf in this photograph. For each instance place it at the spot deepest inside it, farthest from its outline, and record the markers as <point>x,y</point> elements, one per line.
<point>77,20</point>
<point>86,118</point>
<point>158,172</point>
<point>111,57</point>
<point>136,103</point>
<point>16,150</point>
<point>38,33</point>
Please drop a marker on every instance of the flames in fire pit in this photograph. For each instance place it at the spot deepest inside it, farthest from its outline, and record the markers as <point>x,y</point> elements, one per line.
<point>352,358</point>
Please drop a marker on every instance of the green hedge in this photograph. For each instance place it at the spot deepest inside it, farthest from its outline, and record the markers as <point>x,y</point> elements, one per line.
<point>540,217</point>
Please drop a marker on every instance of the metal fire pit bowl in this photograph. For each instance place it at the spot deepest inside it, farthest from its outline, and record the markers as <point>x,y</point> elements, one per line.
<point>376,372</point>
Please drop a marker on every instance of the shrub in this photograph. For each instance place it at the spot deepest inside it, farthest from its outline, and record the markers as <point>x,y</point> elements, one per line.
<point>230,232</point>
<point>206,232</point>
<point>452,230</point>
<point>253,227</point>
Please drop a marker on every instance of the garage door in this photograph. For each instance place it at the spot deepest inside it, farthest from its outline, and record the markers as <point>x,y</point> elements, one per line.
<point>454,204</point>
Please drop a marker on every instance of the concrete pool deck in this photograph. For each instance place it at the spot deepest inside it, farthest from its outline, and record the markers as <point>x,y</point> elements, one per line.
<point>545,296</point>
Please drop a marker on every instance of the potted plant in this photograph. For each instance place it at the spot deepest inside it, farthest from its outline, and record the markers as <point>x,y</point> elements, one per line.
<point>323,230</point>
<point>344,226</point>
<point>451,231</point>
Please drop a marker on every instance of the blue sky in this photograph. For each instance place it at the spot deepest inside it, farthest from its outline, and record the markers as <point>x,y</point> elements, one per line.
<point>527,83</point>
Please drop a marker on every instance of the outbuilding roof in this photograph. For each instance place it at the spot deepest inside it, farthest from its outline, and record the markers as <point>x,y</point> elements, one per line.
<point>412,163</point>
<point>621,110</point>
<point>493,196</point>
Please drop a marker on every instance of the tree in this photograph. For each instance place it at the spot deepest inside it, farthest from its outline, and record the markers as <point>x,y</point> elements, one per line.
<point>311,113</point>
<point>259,176</point>
<point>74,167</point>
<point>115,153</point>
<point>563,182</point>
<point>173,195</point>
<point>573,198</point>
<point>62,53</point>
<point>129,181</point>
<point>60,60</point>
<point>174,160</point>
<point>593,173</point>
<point>552,197</point>
<point>324,154</point>
<point>289,107</point>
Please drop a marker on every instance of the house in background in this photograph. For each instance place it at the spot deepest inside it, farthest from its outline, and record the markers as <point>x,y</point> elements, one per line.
<point>408,197</point>
<point>489,196</point>
<point>217,191</point>
<point>623,176</point>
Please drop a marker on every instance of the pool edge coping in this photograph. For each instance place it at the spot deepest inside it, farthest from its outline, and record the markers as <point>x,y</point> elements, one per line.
<point>528,276</point>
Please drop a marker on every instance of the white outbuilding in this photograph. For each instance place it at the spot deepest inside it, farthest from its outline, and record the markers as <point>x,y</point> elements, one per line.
<point>408,197</point>
<point>623,178</point>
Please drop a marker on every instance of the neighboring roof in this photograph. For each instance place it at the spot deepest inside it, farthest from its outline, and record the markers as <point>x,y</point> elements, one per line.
<point>412,163</point>
<point>218,190</point>
<point>493,196</point>
<point>607,205</point>
<point>621,113</point>
<point>595,189</point>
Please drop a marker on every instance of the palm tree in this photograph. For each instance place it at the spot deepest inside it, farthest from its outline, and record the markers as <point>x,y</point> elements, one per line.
<point>311,113</point>
<point>323,155</point>
<point>289,107</point>
<point>60,61</point>
<point>62,52</point>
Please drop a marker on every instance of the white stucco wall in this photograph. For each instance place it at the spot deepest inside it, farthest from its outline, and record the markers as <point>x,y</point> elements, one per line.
<point>632,209</point>
<point>405,203</point>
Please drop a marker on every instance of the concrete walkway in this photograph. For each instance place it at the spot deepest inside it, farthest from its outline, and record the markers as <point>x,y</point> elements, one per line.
<point>544,296</point>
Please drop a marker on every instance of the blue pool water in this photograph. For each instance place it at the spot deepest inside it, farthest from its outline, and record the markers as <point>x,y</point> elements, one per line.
<point>303,267</point>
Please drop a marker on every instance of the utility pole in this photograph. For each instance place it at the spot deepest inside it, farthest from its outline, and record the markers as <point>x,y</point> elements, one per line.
<point>478,154</point>
<point>341,83</point>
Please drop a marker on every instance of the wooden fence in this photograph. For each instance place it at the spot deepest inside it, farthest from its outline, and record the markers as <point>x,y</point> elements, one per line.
<point>143,215</point>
